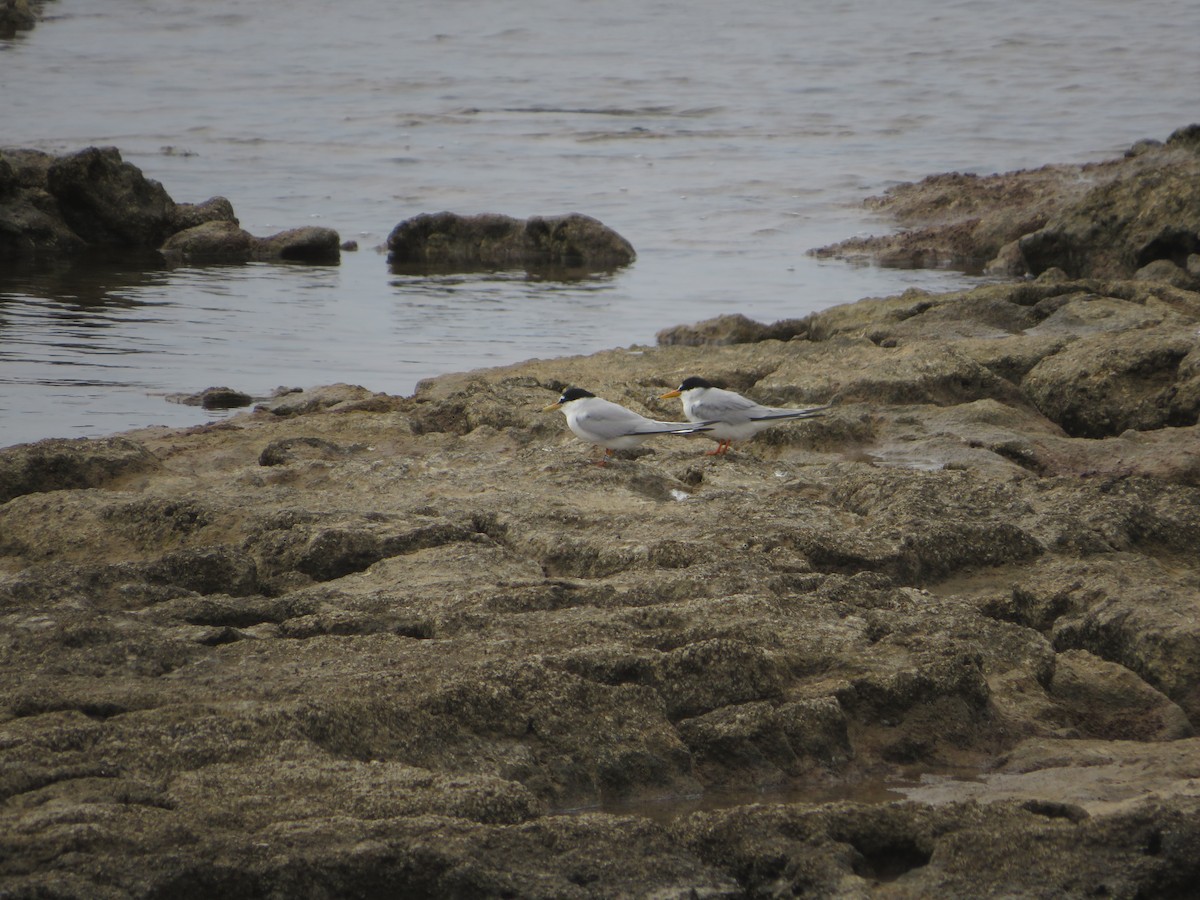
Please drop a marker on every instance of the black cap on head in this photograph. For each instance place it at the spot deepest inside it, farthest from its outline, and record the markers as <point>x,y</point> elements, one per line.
<point>694,382</point>
<point>574,394</point>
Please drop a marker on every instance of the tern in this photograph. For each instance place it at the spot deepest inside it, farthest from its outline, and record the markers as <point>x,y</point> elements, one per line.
<point>612,426</point>
<point>731,416</point>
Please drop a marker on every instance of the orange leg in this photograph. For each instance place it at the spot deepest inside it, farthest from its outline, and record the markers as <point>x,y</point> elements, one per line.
<point>722,448</point>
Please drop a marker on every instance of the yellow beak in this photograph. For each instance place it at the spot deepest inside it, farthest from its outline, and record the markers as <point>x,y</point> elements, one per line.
<point>554,405</point>
<point>669,394</point>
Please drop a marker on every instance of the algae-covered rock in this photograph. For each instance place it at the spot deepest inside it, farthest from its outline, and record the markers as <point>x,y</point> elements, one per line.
<point>1105,220</point>
<point>496,241</point>
<point>64,464</point>
<point>54,207</point>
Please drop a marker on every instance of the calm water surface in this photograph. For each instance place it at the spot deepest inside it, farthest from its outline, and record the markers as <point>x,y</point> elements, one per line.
<point>723,140</point>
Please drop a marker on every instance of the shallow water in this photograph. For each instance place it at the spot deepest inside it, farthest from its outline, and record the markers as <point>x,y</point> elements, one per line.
<point>722,141</point>
<point>876,789</point>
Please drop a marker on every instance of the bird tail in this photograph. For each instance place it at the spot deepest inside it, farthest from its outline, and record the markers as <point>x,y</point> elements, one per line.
<point>684,427</point>
<point>808,413</point>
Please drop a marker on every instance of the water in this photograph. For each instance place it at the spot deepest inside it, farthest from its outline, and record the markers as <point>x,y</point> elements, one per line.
<point>723,140</point>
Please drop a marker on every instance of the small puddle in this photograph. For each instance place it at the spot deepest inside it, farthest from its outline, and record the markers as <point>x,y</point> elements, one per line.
<point>888,788</point>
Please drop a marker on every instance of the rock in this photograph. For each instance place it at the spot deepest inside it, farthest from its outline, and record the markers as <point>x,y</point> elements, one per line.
<point>107,201</point>
<point>17,15</point>
<point>343,397</point>
<point>1079,778</point>
<point>224,241</point>
<point>734,329</point>
<point>69,464</point>
<point>1103,384</point>
<point>208,242</point>
<point>349,643</point>
<point>1107,700</point>
<point>1166,271</point>
<point>1153,636</point>
<point>287,450</point>
<point>214,398</point>
<point>310,244</point>
<point>495,241</point>
<point>31,224</point>
<point>1103,220</point>
<point>189,215</point>
<point>1124,224</point>
<point>224,398</point>
<point>52,207</point>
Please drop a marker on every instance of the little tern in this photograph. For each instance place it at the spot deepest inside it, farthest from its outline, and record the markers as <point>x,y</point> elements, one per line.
<point>611,426</point>
<point>731,416</point>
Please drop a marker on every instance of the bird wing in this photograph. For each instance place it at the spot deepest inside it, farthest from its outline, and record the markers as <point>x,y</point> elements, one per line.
<point>612,421</point>
<point>767,413</point>
<point>679,427</point>
<point>723,406</point>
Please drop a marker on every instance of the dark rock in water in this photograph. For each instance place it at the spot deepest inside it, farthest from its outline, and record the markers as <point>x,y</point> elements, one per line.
<point>108,202</point>
<point>309,244</point>
<point>225,242</point>
<point>214,398</point>
<point>211,242</point>
<point>224,398</point>
<point>489,240</point>
<point>55,206</point>
<point>69,464</point>
<point>31,224</point>
<point>189,215</point>
<point>17,15</point>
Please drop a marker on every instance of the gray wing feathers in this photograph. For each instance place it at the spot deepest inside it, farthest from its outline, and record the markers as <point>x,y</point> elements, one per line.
<point>657,427</point>
<point>723,407</point>
<point>731,407</point>
<point>766,413</point>
<point>614,421</point>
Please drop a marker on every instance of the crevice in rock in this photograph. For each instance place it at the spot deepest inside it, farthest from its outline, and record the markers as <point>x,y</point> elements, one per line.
<point>886,859</point>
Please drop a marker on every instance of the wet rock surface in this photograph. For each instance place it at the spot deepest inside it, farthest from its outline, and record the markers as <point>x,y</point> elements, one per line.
<point>53,207</point>
<point>18,15</point>
<point>451,241</point>
<point>1134,216</point>
<point>356,644</point>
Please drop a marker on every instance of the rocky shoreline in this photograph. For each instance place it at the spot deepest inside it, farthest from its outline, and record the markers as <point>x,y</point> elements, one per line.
<point>353,644</point>
<point>1137,216</point>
